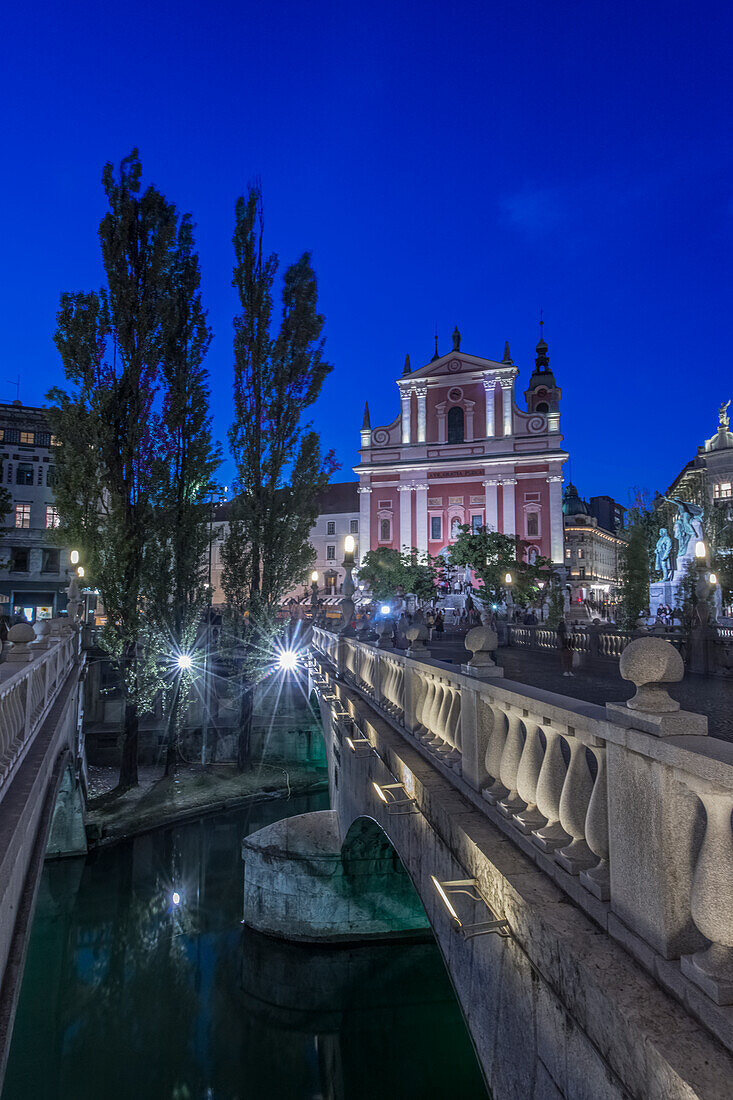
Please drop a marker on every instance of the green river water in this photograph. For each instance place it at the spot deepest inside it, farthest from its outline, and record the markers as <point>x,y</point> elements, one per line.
<point>128,996</point>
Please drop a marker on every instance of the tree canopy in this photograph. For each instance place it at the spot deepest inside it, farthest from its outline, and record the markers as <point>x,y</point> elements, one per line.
<point>492,555</point>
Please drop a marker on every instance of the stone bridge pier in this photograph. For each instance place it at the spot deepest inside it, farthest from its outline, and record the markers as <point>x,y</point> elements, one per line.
<point>597,841</point>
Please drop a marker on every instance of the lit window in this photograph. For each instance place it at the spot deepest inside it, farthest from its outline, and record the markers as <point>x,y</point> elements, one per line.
<point>581,554</point>
<point>722,491</point>
<point>23,516</point>
<point>436,527</point>
<point>24,474</point>
<point>354,526</point>
<point>53,519</point>
<point>331,527</point>
<point>27,437</point>
<point>385,530</point>
<point>567,552</point>
<point>331,553</point>
<point>55,441</point>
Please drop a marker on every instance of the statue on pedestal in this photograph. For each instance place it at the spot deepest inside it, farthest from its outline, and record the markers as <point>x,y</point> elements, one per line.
<point>662,552</point>
<point>687,525</point>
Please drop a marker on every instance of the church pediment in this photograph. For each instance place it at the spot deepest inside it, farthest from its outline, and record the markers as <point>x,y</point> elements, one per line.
<point>456,362</point>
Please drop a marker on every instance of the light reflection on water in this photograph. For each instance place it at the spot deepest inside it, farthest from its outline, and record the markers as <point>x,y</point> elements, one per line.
<point>128,995</point>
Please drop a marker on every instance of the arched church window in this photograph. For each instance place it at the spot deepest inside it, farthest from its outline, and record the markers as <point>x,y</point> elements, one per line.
<point>456,425</point>
<point>543,407</point>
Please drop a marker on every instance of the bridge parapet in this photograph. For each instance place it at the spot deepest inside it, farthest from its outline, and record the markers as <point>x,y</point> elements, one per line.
<point>30,680</point>
<point>626,807</point>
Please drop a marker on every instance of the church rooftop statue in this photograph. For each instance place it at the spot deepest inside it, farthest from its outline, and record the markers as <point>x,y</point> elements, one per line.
<point>456,339</point>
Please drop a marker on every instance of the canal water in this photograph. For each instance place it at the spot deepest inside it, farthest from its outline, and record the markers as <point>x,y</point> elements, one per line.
<point>141,984</point>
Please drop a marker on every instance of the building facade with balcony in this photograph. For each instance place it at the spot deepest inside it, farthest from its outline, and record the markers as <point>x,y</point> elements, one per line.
<point>35,572</point>
<point>708,477</point>
<point>462,451</point>
<point>593,554</point>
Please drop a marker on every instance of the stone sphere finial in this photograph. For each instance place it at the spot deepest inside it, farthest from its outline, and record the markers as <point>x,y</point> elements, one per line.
<point>650,663</point>
<point>481,641</point>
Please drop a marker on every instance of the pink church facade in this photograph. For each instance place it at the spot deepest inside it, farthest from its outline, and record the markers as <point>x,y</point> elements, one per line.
<point>461,451</point>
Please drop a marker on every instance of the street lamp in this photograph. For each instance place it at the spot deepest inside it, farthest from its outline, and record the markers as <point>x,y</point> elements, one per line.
<point>314,593</point>
<point>700,549</point>
<point>347,604</point>
<point>74,557</point>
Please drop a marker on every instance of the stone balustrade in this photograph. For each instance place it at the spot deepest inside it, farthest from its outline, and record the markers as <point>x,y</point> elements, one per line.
<point>627,807</point>
<point>31,676</point>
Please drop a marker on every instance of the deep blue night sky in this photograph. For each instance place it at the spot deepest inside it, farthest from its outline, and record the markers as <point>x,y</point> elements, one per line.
<point>445,163</point>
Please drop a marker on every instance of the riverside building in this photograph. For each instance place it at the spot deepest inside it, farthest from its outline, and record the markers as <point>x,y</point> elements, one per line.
<point>35,572</point>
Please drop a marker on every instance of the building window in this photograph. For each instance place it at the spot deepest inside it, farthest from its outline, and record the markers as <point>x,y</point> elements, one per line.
<point>581,553</point>
<point>543,407</point>
<point>385,530</point>
<point>53,519</point>
<point>24,474</point>
<point>722,491</point>
<point>19,558</point>
<point>331,527</point>
<point>354,526</point>
<point>12,435</point>
<point>27,437</point>
<point>51,561</point>
<point>42,439</point>
<point>533,524</point>
<point>476,524</point>
<point>331,553</point>
<point>582,571</point>
<point>436,528</point>
<point>456,425</point>
<point>567,551</point>
<point>23,516</point>
<point>51,476</point>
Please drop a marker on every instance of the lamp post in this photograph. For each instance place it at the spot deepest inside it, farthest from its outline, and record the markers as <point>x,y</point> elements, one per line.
<point>700,626</point>
<point>314,594</point>
<point>509,602</point>
<point>347,604</point>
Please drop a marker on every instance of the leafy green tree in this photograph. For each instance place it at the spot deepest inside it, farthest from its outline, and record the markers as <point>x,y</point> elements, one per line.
<point>187,464</point>
<point>491,555</point>
<point>114,431</point>
<point>389,573</point>
<point>634,599</point>
<point>278,373</point>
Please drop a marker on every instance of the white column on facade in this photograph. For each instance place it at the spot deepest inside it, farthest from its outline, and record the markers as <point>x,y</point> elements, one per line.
<point>507,386</point>
<point>556,529</point>
<point>421,393</point>
<point>365,517</point>
<point>440,413</point>
<point>469,407</point>
<point>508,494</point>
<point>421,516</point>
<point>489,388</point>
<point>491,511</point>
<point>405,492</point>
<point>406,401</point>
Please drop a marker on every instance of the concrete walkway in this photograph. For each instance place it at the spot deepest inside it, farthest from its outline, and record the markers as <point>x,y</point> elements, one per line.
<point>601,683</point>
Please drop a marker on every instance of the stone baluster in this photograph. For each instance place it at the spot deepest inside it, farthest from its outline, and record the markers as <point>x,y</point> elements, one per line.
<point>431,711</point>
<point>549,790</point>
<point>528,774</point>
<point>574,802</point>
<point>711,903</point>
<point>441,727</point>
<point>510,758</point>
<point>494,753</point>
<point>426,708</point>
<point>597,879</point>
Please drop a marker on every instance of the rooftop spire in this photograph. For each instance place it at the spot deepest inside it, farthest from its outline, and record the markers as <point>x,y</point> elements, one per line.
<point>507,354</point>
<point>366,425</point>
<point>407,365</point>
<point>456,339</point>
<point>542,361</point>
<point>435,356</point>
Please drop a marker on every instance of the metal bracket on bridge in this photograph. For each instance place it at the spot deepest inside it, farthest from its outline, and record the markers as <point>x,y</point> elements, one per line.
<point>470,887</point>
<point>385,793</point>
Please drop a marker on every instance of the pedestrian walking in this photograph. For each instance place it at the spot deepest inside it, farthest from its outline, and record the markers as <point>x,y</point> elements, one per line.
<point>566,651</point>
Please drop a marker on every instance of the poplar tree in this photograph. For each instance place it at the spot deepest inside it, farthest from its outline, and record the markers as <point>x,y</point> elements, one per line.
<point>278,373</point>
<point>187,465</point>
<point>116,494</point>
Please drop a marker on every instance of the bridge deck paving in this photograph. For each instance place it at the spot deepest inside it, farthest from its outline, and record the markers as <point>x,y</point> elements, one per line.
<point>600,682</point>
